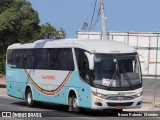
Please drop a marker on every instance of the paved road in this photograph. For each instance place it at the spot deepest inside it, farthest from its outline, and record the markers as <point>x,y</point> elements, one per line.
<point>60,113</point>
<point>149,90</point>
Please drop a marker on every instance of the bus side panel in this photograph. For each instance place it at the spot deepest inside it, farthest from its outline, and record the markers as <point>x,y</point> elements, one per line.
<point>61,95</point>
<point>10,87</point>
<point>48,85</point>
<point>20,85</point>
<point>16,82</point>
<point>82,89</point>
<point>86,96</point>
<point>10,81</point>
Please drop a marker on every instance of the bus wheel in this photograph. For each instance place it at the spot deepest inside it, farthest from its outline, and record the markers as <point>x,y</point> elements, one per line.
<point>73,104</point>
<point>29,98</point>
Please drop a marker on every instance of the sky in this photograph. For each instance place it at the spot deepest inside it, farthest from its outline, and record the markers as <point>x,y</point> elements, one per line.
<point>122,15</point>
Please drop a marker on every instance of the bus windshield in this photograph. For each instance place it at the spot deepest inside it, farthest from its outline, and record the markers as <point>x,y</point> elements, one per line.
<point>112,71</point>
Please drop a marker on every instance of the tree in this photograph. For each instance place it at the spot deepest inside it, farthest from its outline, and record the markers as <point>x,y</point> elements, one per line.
<point>49,32</point>
<point>4,4</point>
<point>19,23</point>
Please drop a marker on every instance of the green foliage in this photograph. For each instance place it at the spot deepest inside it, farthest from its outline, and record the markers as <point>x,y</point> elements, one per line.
<point>19,23</point>
<point>2,66</point>
<point>4,4</point>
<point>49,32</point>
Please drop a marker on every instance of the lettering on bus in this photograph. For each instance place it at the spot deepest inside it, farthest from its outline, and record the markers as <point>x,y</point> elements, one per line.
<point>48,77</point>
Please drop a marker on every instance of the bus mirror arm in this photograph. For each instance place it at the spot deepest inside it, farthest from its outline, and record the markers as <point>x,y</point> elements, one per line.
<point>145,61</point>
<point>91,60</point>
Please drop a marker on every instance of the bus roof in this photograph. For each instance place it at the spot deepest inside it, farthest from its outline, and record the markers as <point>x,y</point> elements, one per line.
<point>93,46</point>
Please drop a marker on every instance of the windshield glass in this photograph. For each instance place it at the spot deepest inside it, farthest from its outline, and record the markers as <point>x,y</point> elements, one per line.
<point>116,70</point>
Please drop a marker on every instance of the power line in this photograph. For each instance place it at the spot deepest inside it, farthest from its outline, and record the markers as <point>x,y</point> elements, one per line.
<point>98,16</point>
<point>93,15</point>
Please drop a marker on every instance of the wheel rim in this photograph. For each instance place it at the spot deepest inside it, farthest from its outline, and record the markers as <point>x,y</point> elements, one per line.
<point>29,98</point>
<point>75,103</point>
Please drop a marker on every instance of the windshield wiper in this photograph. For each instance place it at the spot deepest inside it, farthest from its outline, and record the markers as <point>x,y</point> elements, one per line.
<point>108,87</point>
<point>126,77</point>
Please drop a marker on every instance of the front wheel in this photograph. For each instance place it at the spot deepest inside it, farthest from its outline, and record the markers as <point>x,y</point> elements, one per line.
<point>73,104</point>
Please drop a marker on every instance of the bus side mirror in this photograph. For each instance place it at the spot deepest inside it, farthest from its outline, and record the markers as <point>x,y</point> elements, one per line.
<point>90,58</point>
<point>82,69</point>
<point>145,61</point>
<point>85,70</point>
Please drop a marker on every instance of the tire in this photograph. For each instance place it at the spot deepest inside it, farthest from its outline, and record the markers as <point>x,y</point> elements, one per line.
<point>73,104</point>
<point>29,98</point>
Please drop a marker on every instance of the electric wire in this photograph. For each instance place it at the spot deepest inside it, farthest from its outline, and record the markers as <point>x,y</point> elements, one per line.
<point>98,16</point>
<point>93,15</point>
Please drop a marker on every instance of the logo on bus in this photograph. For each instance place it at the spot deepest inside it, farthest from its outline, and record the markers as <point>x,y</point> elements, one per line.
<point>125,93</point>
<point>48,77</point>
<point>121,94</point>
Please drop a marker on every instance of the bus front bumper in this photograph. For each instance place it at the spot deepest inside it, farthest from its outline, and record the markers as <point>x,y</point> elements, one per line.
<point>100,103</point>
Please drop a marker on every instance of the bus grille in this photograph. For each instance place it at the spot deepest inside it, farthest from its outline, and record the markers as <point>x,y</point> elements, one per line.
<point>120,104</point>
<point>120,98</point>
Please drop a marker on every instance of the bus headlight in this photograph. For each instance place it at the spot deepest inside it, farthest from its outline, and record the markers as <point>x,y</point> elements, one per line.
<point>139,94</point>
<point>98,94</point>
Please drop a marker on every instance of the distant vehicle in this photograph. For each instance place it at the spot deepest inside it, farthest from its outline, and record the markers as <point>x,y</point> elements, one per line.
<point>94,74</point>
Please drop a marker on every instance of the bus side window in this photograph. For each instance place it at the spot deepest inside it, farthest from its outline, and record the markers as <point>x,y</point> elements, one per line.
<point>85,70</point>
<point>54,59</point>
<point>67,62</point>
<point>28,59</point>
<point>41,58</point>
<point>83,64</point>
<point>19,58</point>
<point>11,58</point>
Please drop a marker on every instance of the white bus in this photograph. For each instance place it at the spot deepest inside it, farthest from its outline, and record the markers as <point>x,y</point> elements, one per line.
<point>94,74</point>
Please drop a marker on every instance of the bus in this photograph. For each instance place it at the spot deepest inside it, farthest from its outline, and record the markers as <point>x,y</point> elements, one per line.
<point>92,74</point>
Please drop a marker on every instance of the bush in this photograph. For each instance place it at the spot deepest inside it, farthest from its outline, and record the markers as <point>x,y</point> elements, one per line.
<point>2,66</point>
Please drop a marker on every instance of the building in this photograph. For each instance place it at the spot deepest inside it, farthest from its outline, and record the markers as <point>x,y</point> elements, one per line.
<point>148,44</point>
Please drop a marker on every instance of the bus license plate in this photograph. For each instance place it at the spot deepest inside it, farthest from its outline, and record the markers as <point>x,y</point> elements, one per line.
<point>120,107</point>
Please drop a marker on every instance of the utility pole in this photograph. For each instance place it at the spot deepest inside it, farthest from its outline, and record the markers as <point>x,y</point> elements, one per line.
<point>103,20</point>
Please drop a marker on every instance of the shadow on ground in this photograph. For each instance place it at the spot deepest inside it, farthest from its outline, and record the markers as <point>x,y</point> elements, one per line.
<point>54,110</point>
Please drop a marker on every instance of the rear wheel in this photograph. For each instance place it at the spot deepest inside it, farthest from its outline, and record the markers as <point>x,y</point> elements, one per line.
<point>29,98</point>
